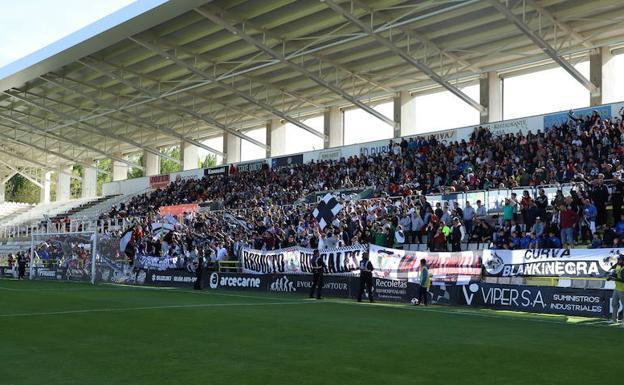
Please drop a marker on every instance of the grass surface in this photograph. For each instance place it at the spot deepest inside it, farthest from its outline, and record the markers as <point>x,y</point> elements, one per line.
<point>63,333</point>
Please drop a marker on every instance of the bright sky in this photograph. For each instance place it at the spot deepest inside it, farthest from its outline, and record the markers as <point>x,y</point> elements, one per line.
<point>26,26</point>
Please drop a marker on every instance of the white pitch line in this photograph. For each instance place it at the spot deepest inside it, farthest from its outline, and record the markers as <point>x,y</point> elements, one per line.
<point>121,309</point>
<point>167,289</point>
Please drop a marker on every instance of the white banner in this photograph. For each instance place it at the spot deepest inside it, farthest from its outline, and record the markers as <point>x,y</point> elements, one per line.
<point>444,267</point>
<point>157,263</point>
<point>549,262</point>
<point>299,260</point>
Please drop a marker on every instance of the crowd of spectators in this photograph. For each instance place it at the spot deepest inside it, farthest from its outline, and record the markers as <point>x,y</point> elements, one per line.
<point>586,151</point>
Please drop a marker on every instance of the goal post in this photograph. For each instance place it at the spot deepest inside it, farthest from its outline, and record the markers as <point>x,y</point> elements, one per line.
<point>63,256</point>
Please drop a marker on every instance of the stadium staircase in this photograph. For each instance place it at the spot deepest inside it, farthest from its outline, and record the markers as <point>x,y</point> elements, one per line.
<point>40,212</point>
<point>79,210</point>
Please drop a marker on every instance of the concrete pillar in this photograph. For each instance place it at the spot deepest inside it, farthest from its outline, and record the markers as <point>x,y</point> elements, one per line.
<point>190,156</point>
<point>333,127</point>
<point>2,191</point>
<point>151,163</point>
<point>63,183</point>
<point>404,114</point>
<point>89,182</point>
<point>44,193</point>
<point>491,97</point>
<point>232,148</point>
<point>275,138</point>
<point>120,170</point>
<point>602,73</point>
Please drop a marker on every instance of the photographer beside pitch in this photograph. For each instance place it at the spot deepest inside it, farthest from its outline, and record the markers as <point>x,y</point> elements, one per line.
<point>617,299</point>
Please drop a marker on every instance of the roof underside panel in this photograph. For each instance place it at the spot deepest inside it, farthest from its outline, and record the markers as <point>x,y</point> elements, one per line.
<point>175,72</point>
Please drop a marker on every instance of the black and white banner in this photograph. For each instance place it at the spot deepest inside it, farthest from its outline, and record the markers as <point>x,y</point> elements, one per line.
<point>460,267</point>
<point>299,260</point>
<point>571,263</point>
<point>533,299</point>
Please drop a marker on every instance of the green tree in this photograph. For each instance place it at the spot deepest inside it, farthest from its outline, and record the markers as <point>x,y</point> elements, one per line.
<point>209,161</point>
<point>104,166</point>
<point>75,185</point>
<point>134,172</point>
<point>20,189</point>
<point>168,166</point>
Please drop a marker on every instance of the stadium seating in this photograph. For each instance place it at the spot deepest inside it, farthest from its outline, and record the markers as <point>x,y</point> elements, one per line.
<point>8,209</point>
<point>38,213</point>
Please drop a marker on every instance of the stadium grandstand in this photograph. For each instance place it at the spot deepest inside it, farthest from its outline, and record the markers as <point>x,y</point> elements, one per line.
<point>222,144</point>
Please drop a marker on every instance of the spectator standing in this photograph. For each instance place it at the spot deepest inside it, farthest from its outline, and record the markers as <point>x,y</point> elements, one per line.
<point>600,196</point>
<point>508,210</point>
<point>457,235</point>
<point>568,219</point>
<point>541,202</point>
<point>481,211</point>
<point>617,195</point>
<point>469,214</point>
<point>589,219</point>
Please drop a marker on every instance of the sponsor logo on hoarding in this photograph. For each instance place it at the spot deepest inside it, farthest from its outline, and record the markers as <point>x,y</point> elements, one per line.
<point>239,282</point>
<point>282,284</point>
<point>330,155</point>
<point>214,281</point>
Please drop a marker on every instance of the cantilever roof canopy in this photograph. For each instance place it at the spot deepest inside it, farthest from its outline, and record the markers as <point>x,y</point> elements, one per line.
<point>158,73</point>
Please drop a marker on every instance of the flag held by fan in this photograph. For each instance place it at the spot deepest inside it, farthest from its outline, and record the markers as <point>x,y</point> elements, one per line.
<point>327,210</point>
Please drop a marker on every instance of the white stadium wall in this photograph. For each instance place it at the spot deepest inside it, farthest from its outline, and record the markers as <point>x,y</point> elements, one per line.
<point>511,126</point>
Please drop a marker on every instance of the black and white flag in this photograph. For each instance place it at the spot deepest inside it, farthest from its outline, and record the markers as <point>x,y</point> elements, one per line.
<point>327,210</point>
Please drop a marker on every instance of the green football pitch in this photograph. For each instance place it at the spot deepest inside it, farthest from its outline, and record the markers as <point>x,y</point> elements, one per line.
<point>68,333</point>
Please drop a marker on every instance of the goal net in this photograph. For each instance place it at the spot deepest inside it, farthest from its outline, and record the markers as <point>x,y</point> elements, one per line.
<point>112,264</point>
<point>63,256</point>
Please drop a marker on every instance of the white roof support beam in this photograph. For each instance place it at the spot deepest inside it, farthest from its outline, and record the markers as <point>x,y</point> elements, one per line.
<point>23,158</point>
<point>173,57</point>
<point>404,55</point>
<point>561,25</point>
<point>210,121</point>
<point>292,65</point>
<point>26,175</point>
<point>67,140</point>
<point>90,128</point>
<point>8,177</point>
<point>419,37</point>
<point>47,151</point>
<point>544,45</point>
<point>318,56</point>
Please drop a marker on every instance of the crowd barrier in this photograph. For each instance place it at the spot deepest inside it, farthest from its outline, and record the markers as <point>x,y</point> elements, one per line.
<point>532,299</point>
<point>497,279</point>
